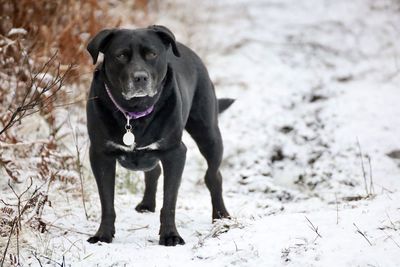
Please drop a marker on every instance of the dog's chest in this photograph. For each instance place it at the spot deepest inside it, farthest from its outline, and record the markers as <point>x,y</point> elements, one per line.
<point>136,158</point>
<point>135,162</point>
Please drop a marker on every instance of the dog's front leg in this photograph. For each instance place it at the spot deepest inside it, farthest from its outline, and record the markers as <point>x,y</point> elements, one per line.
<point>173,163</point>
<point>103,168</point>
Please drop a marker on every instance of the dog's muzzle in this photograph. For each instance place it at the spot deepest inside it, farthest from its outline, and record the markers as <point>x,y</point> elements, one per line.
<point>139,85</point>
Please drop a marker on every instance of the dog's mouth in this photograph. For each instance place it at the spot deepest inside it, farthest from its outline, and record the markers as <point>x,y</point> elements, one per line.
<point>138,87</point>
<point>139,94</point>
<point>138,101</point>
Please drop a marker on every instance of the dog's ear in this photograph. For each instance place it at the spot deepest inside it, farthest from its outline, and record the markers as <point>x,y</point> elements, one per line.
<point>166,36</point>
<point>99,43</point>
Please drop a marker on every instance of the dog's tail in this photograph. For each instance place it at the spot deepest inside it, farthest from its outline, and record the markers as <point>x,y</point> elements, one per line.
<point>224,103</point>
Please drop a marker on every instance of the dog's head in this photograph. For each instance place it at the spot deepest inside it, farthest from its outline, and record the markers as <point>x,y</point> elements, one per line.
<point>135,61</point>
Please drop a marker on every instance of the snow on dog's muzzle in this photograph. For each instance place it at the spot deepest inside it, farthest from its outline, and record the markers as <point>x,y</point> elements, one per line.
<point>139,85</point>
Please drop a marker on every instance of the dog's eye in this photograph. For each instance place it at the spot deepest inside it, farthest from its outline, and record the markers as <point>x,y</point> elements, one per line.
<point>151,55</point>
<point>122,56</point>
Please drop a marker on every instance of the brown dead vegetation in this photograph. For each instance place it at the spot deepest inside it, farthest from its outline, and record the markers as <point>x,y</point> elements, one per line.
<point>63,26</point>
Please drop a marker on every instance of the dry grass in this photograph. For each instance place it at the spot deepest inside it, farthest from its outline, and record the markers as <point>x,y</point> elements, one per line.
<point>56,25</point>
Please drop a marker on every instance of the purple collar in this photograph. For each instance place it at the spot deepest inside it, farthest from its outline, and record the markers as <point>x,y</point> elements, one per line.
<point>131,115</point>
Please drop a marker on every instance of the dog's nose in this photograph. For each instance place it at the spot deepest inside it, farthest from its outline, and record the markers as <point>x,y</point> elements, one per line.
<point>140,78</point>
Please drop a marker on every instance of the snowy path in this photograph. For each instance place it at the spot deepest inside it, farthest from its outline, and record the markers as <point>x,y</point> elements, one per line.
<point>310,78</point>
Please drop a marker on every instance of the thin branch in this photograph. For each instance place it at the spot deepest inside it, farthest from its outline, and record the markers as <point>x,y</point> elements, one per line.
<point>35,98</point>
<point>53,261</point>
<point>371,182</point>
<point>17,219</point>
<point>79,165</point>
<point>337,210</point>
<point>362,167</point>
<point>391,222</point>
<point>390,237</point>
<point>65,229</point>
<point>75,102</point>
<point>313,228</point>
<point>8,241</point>
<point>361,233</point>
<point>36,257</point>
<point>7,204</point>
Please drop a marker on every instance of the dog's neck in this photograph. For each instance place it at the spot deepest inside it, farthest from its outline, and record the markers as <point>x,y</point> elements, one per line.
<point>131,114</point>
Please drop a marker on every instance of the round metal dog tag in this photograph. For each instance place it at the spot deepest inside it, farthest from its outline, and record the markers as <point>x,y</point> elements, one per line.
<point>128,138</point>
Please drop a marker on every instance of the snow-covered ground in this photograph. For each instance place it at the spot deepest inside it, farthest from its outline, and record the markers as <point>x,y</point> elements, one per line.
<point>316,115</point>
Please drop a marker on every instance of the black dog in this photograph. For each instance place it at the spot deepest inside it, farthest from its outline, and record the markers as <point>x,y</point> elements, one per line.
<point>141,99</point>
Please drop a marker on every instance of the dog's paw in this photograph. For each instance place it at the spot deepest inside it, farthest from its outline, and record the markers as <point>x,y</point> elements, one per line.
<point>95,239</point>
<point>144,207</point>
<point>220,215</point>
<point>171,239</point>
<point>101,237</point>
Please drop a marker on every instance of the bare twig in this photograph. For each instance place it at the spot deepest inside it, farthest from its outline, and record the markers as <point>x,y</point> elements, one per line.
<point>76,102</point>
<point>337,210</point>
<point>314,229</point>
<point>138,228</point>
<point>361,233</point>
<point>79,165</point>
<point>363,168</point>
<point>7,204</point>
<point>21,144</point>
<point>16,225</point>
<point>391,222</point>
<point>236,247</point>
<point>18,219</point>
<point>371,182</point>
<point>36,98</point>
<point>66,229</point>
<point>390,237</point>
<point>36,257</point>
<point>8,242</point>
<point>62,264</point>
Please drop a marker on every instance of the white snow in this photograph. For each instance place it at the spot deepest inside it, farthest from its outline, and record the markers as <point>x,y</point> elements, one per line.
<point>14,31</point>
<point>311,80</point>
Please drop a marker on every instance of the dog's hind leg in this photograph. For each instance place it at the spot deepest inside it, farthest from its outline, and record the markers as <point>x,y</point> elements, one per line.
<point>208,139</point>
<point>149,198</point>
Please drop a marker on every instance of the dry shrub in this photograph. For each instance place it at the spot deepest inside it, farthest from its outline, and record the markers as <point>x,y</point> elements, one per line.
<point>142,5</point>
<point>56,25</point>
<point>24,211</point>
